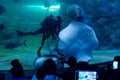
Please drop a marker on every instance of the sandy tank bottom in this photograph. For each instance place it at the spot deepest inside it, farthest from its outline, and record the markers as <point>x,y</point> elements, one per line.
<point>27,54</point>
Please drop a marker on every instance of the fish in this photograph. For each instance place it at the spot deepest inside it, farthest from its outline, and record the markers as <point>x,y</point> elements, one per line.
<point>14,44</point>
<point>7,35</point>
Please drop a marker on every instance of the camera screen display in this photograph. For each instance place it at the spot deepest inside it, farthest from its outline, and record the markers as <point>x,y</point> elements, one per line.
<point>115,64</point>
<point>85,75</point>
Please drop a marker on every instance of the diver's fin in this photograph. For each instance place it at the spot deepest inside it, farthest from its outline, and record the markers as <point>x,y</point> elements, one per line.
<point>20,33</point>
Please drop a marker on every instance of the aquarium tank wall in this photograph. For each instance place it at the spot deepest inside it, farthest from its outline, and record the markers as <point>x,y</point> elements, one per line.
<point>27,15</point>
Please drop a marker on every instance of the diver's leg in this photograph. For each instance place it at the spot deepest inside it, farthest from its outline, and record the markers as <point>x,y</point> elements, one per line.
<point>39,31</point>
<point>56,48</point>
<point>43,41</point>
<point>20,33</point>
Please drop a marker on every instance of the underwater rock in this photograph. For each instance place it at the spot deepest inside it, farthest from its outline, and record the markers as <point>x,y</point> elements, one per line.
<point>16,1</point>
<point>14,44</point>
<point>105,4</point>
<point>2,27</point>
<point>2,9</point>
<point>101,21</point>
<point>116,10</point>
<point>115,38</point>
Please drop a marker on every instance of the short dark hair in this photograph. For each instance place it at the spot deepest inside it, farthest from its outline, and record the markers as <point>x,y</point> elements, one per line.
<point>72,61</point>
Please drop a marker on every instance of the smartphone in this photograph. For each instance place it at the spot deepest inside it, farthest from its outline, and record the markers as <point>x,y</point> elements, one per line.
<point>115,64</point>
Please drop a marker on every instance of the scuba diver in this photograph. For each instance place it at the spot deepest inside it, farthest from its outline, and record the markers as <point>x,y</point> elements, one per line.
<point>50,27</point>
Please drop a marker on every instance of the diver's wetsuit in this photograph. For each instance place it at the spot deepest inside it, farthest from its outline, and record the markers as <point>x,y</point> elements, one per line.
<point>50,27</point>
<point>48,30</point>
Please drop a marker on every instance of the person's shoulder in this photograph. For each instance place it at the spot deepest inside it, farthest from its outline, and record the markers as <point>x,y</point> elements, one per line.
<point>51,77</point>
<point>76,24</point>
<point>34,77</point>
<point>87,27</point>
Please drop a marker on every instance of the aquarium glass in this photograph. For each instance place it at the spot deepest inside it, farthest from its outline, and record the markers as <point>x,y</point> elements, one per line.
<point>27,15</point>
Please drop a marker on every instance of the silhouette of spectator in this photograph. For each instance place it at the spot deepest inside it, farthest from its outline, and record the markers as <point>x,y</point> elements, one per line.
<point>47,71</point>
<point>2,76</point>
<point>82,65</point>
<point>40,74</point>
<point>17,69</point>
<point>69,74</point>
<point>72,62</point>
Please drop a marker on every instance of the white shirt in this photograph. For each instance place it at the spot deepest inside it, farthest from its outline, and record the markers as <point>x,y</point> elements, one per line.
<point>77,39</point>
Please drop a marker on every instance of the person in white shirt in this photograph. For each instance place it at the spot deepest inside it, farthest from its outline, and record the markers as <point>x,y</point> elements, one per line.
<point>77,39</point>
